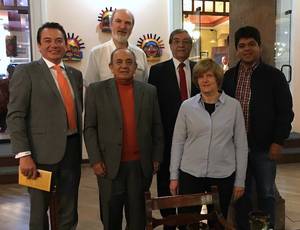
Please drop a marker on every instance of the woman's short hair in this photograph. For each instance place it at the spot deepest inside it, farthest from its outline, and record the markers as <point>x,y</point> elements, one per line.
<point>205,65</point>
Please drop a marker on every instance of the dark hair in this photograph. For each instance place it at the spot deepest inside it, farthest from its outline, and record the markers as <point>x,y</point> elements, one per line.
<point>113,53</point>
<point>51,25</point>
<point>178,31</point>
<point>247,32</point>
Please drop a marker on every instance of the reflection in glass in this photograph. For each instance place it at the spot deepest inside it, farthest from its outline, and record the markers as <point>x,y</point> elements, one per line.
<point>219,6</point>
<point>8,2</point>
<point>283,35</point>
<point>227,7</point>
<point>208,6</point>
<point>198,5</point>
<point>22,2</point>
<point>187,5</point>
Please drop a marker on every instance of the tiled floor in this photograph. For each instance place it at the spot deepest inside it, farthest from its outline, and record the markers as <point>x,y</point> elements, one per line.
<point>14,201</point>
<point>288,182</point>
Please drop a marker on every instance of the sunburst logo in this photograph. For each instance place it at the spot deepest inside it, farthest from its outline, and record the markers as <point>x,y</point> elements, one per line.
<point>104,18</point>
<point>74,45</point>
<point>152,46</point>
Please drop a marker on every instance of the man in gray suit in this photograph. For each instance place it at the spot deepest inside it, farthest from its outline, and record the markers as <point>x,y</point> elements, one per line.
<point>124,140</point>
<point>44,121</point>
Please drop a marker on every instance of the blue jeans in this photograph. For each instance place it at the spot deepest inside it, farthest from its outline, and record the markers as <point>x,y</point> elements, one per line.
<point>261,170</point>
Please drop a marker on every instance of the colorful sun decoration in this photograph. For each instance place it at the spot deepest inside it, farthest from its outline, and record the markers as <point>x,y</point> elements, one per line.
<point>152,46</point>
<point>104,18</point>
<point>74,45</point>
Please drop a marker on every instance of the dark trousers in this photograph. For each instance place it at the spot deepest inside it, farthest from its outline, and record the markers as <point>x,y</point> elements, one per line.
<point>127,191</point>
<point>261,171</point>
<point>189,184</point>
<point>66,177</point>
<point>163,181</point>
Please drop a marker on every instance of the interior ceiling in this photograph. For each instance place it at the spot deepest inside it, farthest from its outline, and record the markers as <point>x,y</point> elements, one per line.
<point>207,20</point>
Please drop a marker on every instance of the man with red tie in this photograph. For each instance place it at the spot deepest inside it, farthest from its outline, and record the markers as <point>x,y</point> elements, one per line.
<point>172,79</point>
<point>44,123</point>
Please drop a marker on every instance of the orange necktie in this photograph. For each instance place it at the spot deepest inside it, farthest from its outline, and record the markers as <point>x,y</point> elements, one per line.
<point>67,97</point>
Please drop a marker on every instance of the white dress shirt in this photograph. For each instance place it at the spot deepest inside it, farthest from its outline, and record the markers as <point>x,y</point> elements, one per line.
<point>98,63</point>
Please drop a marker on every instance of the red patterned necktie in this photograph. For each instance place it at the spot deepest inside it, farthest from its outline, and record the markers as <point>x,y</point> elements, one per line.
<point>182,83</point>
<point>67,97</point>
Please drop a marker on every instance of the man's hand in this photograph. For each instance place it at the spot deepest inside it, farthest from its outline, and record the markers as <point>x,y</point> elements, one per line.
<point>28,167</point>
<point>174,187</point>
<point>155,166</point>
<point>99,169</point>
<point>275,151</point>
<point>238,192</point>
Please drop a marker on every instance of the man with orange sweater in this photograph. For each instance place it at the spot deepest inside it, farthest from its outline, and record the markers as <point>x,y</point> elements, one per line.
<point>124,140</point>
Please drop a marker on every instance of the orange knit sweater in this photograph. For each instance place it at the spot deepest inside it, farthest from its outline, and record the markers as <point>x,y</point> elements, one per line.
<point>130,149</point>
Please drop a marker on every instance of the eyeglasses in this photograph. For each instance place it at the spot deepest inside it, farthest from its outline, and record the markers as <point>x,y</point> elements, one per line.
<point>182,42</point>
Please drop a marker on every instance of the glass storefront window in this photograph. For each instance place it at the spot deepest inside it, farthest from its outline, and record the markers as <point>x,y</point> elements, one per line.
<point>208,6</point>
<point>283,37</point>
<point>198,5</point>
<point>227,7</point>
<point>15,46</point>
<point>219,6</point>
<point>209,29</point>
<point>187,5</point>
<point>22,2</point>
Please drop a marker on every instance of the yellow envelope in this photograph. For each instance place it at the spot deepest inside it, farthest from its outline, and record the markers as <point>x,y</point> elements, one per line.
<point>43,182</point>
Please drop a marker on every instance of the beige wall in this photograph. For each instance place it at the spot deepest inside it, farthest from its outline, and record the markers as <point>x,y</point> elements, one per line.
<point>260,14</point>
<point>80,17</point>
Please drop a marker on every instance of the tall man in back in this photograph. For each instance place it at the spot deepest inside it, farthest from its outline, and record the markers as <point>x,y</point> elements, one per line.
<point>267,106</point>
<point>44,122</point>
<point>122,23</point>
<point>173,82</point>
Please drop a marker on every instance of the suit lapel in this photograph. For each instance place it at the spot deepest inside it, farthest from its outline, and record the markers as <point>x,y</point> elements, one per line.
<point>173,77</point>
<point>138,98</point>
<point>113,95</point>
<point>45,71</point>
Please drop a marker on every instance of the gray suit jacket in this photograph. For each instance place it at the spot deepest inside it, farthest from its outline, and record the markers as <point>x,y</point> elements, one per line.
<point>103,125</point>
<point>36,116</point>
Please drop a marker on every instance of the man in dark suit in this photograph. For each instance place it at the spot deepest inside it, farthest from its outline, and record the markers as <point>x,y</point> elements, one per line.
<point>173,82</point>
<point>44,122</point>
<point>124,140</point>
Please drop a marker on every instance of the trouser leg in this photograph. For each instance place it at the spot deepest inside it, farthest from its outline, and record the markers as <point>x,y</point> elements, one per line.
<point>265,173</point>
<point>67,183</point>
<point>39,202</point>
<point>136,185</point>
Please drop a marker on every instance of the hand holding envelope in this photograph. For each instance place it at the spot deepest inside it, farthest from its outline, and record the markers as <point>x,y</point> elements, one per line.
<point>42,182</point>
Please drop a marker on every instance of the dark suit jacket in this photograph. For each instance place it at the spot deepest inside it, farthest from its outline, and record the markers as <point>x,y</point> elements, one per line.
<point>36,119</point>
<point>163,76</point>
<point>103,125</point>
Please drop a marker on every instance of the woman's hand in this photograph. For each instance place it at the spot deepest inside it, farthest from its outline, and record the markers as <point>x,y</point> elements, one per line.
<point>173,187</point>
<point>238,192</point>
